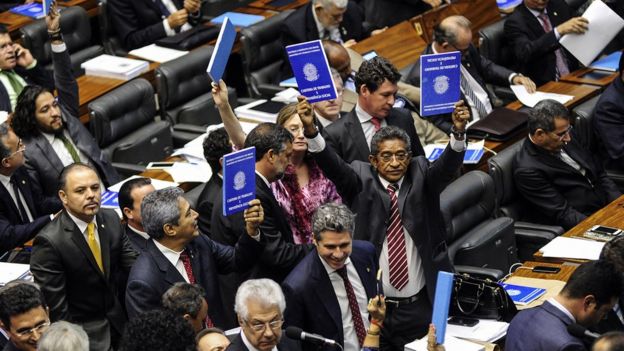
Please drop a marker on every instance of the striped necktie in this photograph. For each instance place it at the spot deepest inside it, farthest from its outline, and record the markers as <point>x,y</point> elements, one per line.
<point>397,255</point>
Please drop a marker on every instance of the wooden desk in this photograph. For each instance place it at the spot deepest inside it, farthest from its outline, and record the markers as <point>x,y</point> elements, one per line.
<point>581,93</point>
<point>563,275</point>
<point>400,44</point>
<point>266,4</point>
<point>581,77</point>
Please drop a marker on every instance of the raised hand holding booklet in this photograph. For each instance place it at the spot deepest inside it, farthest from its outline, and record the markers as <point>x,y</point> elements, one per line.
<point>311,69</point>
<point>439,83</point>
<point>222,50</point>
<point>239,180</point>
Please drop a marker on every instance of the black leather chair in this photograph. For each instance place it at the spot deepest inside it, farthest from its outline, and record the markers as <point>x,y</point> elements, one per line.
<point>475,238</point>
<point>492,45</point>
<point>76,34</point>
<point>192,196</point>
<point>110,40</point>
<point>575,4</point>
<point>124,126</point>
<point>530,237</point>
<point>263,55</point>
<point>184,95</point>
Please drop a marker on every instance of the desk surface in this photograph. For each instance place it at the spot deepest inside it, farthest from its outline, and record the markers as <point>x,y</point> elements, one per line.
<point>583,76</point>
<point>564,274</point>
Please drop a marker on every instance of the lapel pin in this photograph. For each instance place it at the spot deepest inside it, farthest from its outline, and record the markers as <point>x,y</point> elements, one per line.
<point>368,269</point>
<point>23,181</point>
<point>102,225</point>
<point>555,13</point>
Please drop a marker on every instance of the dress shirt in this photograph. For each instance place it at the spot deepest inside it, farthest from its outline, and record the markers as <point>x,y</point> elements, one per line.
<point>334,32</point>
<point>351,342</point>
<point>9,88</point>
<point>172,8</point>
<point>82,226</point>
<point>174,258</point>
<point>571,162</point>
<point>6,181</point>
<point>143,235</point>
<point>560,307</point>
<point>537,14</point>
<point>367,126</point>
<point>249,346</point>
<point>61,151</point>
<point>324,121</point>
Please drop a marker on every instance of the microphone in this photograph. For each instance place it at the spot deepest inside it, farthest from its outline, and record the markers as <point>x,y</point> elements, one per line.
<point>296,333</point>
<point>581,332</point>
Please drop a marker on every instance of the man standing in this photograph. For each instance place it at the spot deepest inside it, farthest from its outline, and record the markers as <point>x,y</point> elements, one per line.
<point>327,293</point>
<point>131,195</point>
<point>23,315</point>
<point>77,258</point>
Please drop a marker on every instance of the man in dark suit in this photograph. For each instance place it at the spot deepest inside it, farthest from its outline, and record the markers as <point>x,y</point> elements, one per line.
<point>77,258</point>
<point>561,179</point>
<point>23,212</point>
<point>51,129</point>
<point>454,34</point>
<point>17,69</point>
<point>327,293</point>
<point>589,294</point>
<point>260,305</point>
<point>177,253</point>
<point>382,13</point>
<point>23,315</point>
<point>376,85</point>
<point>187,300</point>
<point>396,198</point>
<point>613,252</point>
<point>533,31</point>
<point>141,22</point>
<point>131,195</point>
<point>159,329</point>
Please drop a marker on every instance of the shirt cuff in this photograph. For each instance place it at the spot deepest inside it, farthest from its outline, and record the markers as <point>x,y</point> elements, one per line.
<point>51,217</point>
<point>170,32</point>
<point>316,144</point>
<point>457,145</point>
<point>557,35</point>
<point>58,48</point>
<point>512,76</point>
<point>256,237</point>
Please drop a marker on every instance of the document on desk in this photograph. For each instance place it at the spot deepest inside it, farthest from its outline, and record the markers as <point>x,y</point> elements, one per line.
<point>239,180</point>
<point>604,25</point>
<point>190,172</point>
<point>439,83</point>
<point>450,344</point>
<point>487,330</point>
<point>157,183</point>
<point>157,53</point>
<point>12,271</point>
<point>311,69</point>
<point>531,100</point>
<point>564,247</point>
<point>222,50</point>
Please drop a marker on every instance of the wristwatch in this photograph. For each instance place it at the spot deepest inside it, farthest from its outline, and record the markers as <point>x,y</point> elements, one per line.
<point>459,135</point>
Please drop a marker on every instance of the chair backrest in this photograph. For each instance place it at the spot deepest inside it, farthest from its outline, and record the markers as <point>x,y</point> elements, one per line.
<point>76,35</point>
<point>575,4</point>
<point>508,202</point>
<point>582,120</point>
<point>263,52</point>
<point>492,44</point>
<point>110,39</point>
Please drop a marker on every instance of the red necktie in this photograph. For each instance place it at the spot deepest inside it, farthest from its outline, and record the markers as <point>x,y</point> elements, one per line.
<point>376,122</point>
<point>397,257</point>
<point>562,66</point>
<point>353,306</point>
<point>186,261</point>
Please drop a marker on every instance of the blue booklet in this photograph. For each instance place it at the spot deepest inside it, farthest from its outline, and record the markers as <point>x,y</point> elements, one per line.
<point>46,6</point>
<point>441,303</point>
<point>507,4</point>
<point>311,69</point>
<point>439,83</point>
<point>522,295</point>
<point>33,10</point>
<point>472,156</point>
<point>110,199</point>
<point>238,19</point>
<point>239,180</point>
<point>608,63</point>
<point>222,51</point>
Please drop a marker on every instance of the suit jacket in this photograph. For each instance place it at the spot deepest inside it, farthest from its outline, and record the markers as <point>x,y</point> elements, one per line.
<point>533,49</point>
<point>42,163</point>
<point>13,232</point>
<point>311,302</point>
<point>419,204</point>
<point>280,254</point>
<point>347,138</point>
<point>480,68</point>
<point>206,203</point>
<point>542,328</point>
<point>75,288</point>
<point>36,75</point>
<point>140,22</point>
<point>153,274</point>
<point>561,195</point>
<point>285,344</point>
<point>608,123</point>
<point>138,242</point>
<point>381,13</point>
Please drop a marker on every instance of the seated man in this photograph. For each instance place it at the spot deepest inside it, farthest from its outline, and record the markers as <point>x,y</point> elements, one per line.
<point>454,34</point>
<point>131,195</point>
<point>383,13</point>
<point>613,252</point>
<point>561,179</point>
<point>158,330</point>
<point>212,339</point>
<point>187,300</point>
<point>533,31</point>
<point>611,341</point>
<point>141,22</point>
<point>23,315</point>
<point>589,294</point>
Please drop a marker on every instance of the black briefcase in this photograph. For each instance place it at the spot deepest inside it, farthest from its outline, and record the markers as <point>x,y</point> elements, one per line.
<point>500,125</point>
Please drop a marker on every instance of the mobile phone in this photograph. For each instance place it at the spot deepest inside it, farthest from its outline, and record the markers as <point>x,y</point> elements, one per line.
<point>369,55</point>
<point>160,165</point>
<point>546,269</point>
<point>463,321</point>
<point>601,229</point>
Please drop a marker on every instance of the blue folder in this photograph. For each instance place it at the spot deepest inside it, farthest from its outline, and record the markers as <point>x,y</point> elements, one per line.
<point>46,6</point>
<point>239,180</point>
<point>472,156</point>
<point>441,302</point>
<point>608,63</point>
<point>32,10</point>
<point>439,83</point>
<point>238,19</point>
<point>110,199</point>
<point>311,69</point>
<point>222,51</point>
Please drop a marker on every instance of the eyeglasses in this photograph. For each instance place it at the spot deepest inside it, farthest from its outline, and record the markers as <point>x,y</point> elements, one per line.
<point>20,148</point>
<point>260,327</point>
<point>29,332</point>
<point>399,156</point>
<point>561,135</point>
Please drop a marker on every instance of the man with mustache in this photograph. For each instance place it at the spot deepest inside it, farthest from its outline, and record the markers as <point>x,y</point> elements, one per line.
<point>77,260</point>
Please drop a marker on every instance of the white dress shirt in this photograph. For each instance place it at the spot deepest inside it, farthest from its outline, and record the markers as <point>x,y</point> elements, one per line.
<point>61,151</point>
<point>6,181</point>
<point>560,307</point>
<point>172,8</point>
<point>250,347</point>
<point>174,258</point>
<point>143,235</point>
<point>537,14</point>
<point>367,126</point>
<point>9,88</point>
<point>82,226</point>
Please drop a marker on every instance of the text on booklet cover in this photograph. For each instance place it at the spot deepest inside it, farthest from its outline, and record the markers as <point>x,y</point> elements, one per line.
<point>311,69</point>
<point>439,83</point>
<point>239,180</point>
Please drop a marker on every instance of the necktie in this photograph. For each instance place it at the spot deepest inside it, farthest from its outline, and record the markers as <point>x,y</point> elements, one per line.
<point>376,123</point>
<point>471,94</point>
<point>14,80</point>
<point>186,261</point>
<point>562,66</point>
<point>70,147</point>
<point>20,205</point>
<point>358,323</point>
<point>164,11</point>
<point>93,245</point>
<point>397,256</point>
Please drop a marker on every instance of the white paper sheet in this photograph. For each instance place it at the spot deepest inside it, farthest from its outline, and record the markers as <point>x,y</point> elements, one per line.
<point>604,24</point>
<point>450,344</point>
<point>531,100</point>
<point>564,247</point>
<point>12,271</point>
<point>193,151</point>
<point>183,172</point>
<point>486,330</point>
<point>157,53</point>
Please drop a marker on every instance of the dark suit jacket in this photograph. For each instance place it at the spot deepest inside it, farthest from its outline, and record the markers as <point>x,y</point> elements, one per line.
<point>381,13</point>
<point>280,254</point>
<point>42,163</point>
<point>311,302</point>
<point>533,49</point>
<point>206,203</point>
<point>480,68</point>
<point>138,242</point>
<point>74,287</point>
<point>36,75</point>
<point>153,274</point>
<point>611,322</point>
<point>13,232</point>
<point>542,328</point>
<point>419,204</point>
<point>608,123</point>
<point>347,138</point>
<point>559,193</point>
<point>139,22</point>
<point>285,344</point>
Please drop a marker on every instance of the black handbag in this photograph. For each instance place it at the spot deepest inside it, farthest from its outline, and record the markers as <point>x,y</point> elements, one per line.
<point>190,39</point>
<point>481,298</point>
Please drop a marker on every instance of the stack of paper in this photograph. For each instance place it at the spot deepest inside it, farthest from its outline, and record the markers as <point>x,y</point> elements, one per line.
<point>157,53</point>
<point>487,330</point>
<point>286,96</point>
<point>12,271</point>
<point>563,247</point>
<point>193,151</point>
<point>451,343</point>
<point>114,67</point>
<point>260,110</point>
<point>531,100</point>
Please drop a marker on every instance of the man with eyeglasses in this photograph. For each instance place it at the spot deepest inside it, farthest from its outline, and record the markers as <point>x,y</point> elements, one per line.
<point>23,315</point>
<point>23,211</point>
<point>559,177</point>
<point>260,306</point>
